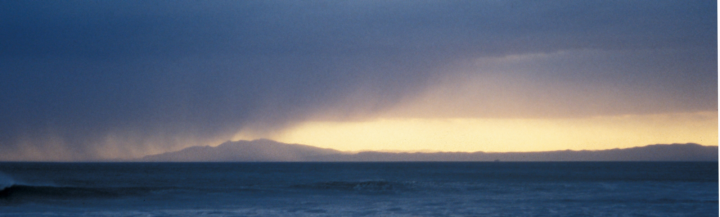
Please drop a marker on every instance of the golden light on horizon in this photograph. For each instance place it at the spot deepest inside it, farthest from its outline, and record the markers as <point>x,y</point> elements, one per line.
<point>505,135</point>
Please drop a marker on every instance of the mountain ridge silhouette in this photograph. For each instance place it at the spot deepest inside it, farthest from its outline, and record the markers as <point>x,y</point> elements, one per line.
<point>264,150</point>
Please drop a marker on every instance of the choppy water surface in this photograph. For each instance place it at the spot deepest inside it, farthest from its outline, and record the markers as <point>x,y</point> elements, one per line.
<point>359,189</point>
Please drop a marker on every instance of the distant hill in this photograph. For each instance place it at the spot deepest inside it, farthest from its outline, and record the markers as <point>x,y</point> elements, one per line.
<point>256,150</point>
<point>673,152</point>
<point>268,150</point>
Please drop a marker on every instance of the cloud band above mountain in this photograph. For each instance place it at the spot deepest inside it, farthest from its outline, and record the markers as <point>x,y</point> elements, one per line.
<point>91,80</point>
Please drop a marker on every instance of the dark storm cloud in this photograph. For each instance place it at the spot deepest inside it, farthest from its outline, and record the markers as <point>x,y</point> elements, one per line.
<point>74,73</point>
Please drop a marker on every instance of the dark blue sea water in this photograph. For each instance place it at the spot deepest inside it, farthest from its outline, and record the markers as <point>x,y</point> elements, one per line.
<point>359,189</point>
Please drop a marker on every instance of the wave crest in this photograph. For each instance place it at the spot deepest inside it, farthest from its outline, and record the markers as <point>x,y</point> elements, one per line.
<point>6,181</point>
<point>59,192</point>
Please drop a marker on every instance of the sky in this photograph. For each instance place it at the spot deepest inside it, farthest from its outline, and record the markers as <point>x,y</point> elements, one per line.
<point>94,80</point>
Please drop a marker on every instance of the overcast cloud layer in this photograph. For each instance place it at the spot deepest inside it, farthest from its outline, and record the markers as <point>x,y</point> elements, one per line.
<point>86,80</point>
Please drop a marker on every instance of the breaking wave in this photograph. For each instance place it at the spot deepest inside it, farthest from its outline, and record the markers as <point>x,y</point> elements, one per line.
<point>5,181</point>
<point>53,191</point>
<point>12,189</point>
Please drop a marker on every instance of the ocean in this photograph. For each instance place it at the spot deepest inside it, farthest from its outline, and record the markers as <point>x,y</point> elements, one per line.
<point>360,189</point>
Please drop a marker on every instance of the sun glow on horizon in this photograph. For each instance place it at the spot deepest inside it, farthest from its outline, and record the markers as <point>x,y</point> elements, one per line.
<point>504,135</point>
